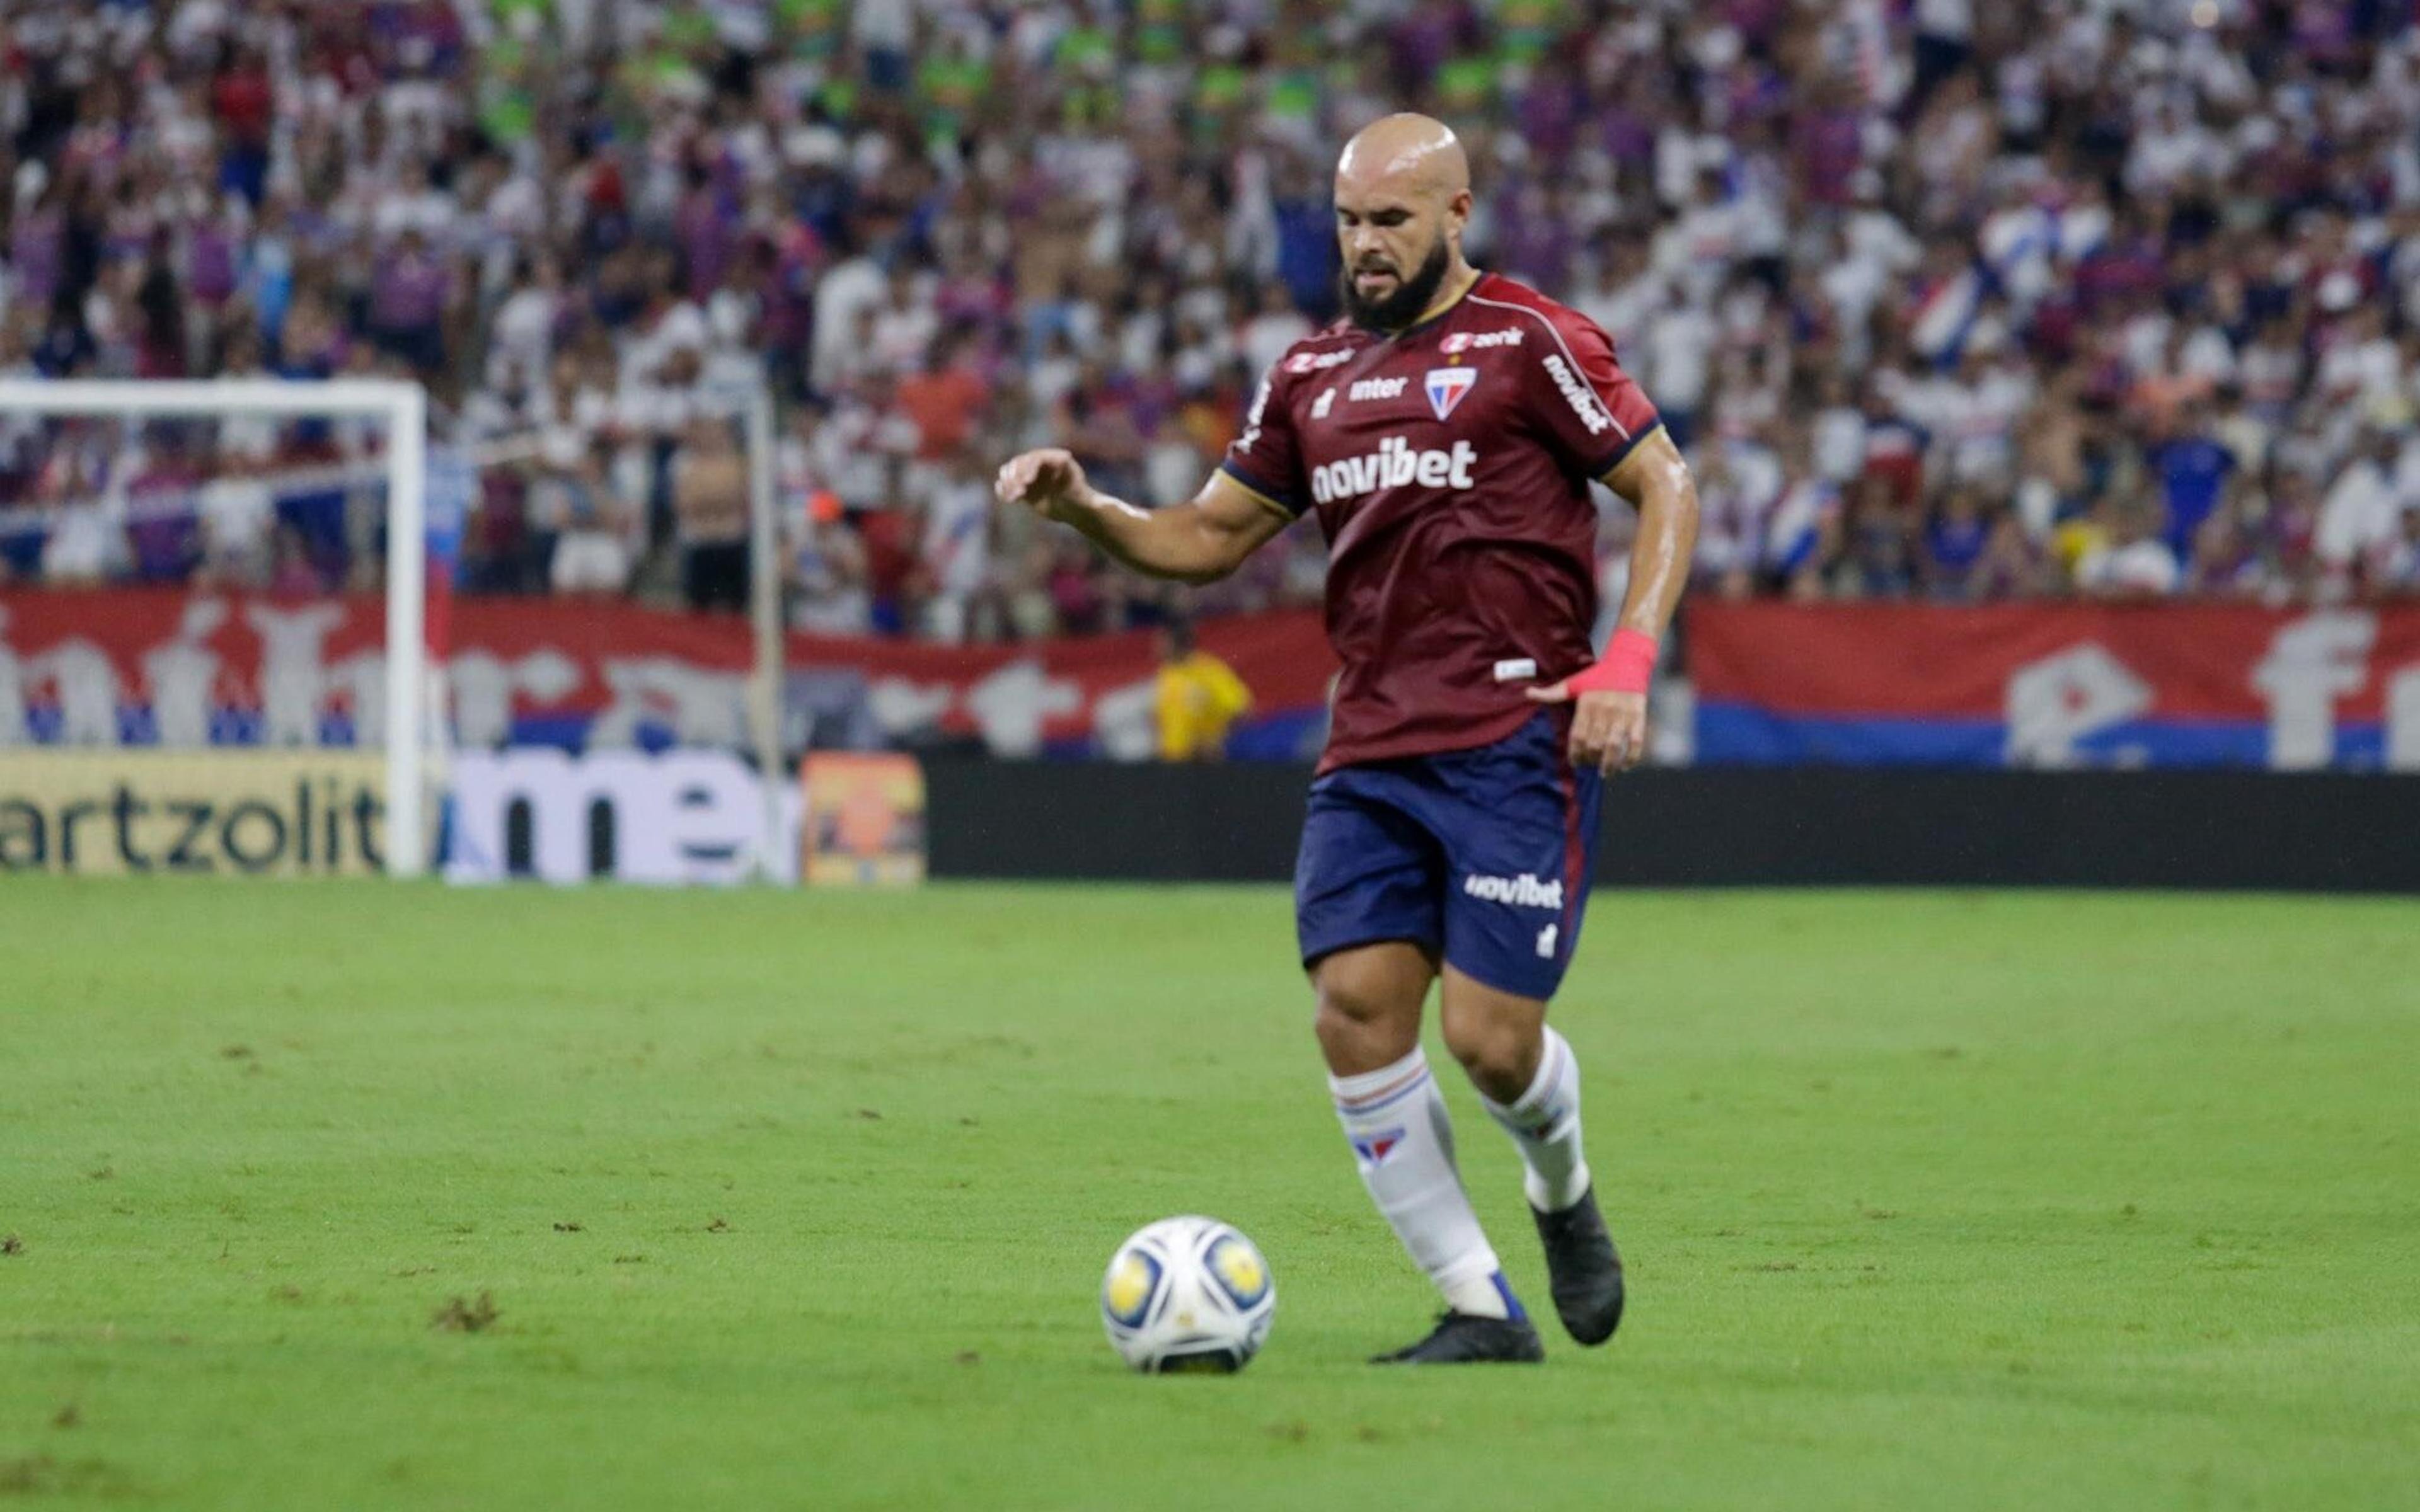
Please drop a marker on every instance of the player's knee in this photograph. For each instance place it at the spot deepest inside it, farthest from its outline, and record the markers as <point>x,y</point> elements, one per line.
<point>1493,1049</point>
<point>1366,1012</point>
<point>1342,1009</point>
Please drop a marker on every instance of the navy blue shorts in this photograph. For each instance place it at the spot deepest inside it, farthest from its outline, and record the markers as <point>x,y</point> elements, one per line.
<point>1481,857</point>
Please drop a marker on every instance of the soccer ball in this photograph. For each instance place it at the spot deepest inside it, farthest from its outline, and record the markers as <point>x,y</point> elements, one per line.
<point>1188,1294</point>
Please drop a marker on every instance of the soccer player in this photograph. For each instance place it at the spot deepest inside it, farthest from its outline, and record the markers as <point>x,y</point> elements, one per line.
<point>1445,434</point>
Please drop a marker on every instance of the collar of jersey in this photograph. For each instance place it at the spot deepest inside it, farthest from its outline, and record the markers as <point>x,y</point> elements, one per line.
<point>1426,321</point>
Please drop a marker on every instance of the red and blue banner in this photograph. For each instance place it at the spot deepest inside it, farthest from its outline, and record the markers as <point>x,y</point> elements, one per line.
<point>143,667</point>
<point>2056,685</point>
<point>2022,685</point>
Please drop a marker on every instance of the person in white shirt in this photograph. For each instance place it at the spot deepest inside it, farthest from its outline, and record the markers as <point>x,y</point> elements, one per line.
<point>2361,364</point>
<point>1622,297</point>
<point>1694,253</point>
<point>2361,511</point>
<point>413,205</point>
<point>956,547</point>
<point>523,329</point>
<point>1277,326</point>
<point>848,287</point>
<point>1679,364</point>
<point>1838,439</point>
<point>904,324</point>
<point>2135,564</point>
<point>591,554</point>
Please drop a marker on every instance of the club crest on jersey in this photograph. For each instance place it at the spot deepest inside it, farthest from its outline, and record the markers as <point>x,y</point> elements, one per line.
<point>1447,386</point>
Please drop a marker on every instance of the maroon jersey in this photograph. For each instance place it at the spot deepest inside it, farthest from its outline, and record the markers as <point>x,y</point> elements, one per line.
<point>1450,467</point>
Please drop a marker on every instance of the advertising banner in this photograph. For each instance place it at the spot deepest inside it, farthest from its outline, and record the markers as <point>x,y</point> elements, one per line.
<point>675,817</point>
<point>142,667</point>
<point>187,812</point>
<point>864,820</point>
<point>2056,685</point>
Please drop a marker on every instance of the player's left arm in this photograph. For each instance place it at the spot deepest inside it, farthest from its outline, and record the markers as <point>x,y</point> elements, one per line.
<point>1609,721</point>
<point>1592,405</point>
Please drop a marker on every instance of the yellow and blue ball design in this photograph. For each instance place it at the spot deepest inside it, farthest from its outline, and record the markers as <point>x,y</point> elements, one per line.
<point>1127,1290</point>
<point>1238,1269</point>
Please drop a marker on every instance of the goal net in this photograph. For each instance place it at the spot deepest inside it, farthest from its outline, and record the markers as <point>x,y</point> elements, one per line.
<point>263,500</point>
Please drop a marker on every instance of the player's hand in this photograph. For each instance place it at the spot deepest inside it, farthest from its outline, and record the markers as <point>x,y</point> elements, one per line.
<point>1048,481</point>
<point>1608,729</point>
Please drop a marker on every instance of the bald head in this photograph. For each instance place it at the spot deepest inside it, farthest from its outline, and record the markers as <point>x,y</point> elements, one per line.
<point>1406,153</point>
<point>1402,199</point>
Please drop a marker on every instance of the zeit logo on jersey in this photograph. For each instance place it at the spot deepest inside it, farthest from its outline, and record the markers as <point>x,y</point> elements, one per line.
<point>1463,340</point>
<point>1393,465</point>
<point>1313,361</point>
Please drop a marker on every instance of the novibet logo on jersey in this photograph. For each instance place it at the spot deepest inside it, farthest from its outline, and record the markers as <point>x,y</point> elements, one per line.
<point>1580,397</point>
<point>1393,465</point>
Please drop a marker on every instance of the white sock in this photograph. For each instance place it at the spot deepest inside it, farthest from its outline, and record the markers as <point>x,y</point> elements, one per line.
<point>1546,1122</point>
<point>1395,1119</point>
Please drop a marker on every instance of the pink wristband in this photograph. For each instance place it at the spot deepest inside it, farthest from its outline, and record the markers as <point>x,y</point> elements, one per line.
<point>1628,662</point>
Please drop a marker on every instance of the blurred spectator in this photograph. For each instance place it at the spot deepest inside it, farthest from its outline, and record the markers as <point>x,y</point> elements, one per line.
<point>1938,297</point>
<point>236,511</point>
<point>2136,562</point>
<point>826,574</point>
<point>592,530</point>
<point>407,297</point>
<point>710,509</point>
<point>956,547</point>
<point>2358,519</point>
<point>2192,468</point>
<point>1197,697</point>
<point>1955,541</point>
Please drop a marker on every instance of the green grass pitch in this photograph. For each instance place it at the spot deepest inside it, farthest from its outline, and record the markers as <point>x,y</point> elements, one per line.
<point>786,1201</point>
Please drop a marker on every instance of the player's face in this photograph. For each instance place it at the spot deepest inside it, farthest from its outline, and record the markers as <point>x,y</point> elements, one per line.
<point>1395,251</point>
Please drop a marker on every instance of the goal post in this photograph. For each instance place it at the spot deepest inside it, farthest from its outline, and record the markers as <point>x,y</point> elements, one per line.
<point>403,410</point>
<point>417,719</point>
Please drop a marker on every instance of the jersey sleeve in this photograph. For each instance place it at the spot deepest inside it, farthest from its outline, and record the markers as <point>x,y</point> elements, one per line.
<point>1592,412</point>
<point>1266,459</point>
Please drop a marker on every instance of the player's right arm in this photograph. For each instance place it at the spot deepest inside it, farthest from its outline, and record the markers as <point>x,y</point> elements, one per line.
<point>1200,541</point>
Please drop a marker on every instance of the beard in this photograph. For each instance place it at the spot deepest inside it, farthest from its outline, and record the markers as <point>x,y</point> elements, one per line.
<point>1411,296</point>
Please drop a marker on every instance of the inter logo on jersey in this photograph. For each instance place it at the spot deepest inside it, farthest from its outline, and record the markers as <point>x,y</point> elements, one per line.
<point>1447,386</point>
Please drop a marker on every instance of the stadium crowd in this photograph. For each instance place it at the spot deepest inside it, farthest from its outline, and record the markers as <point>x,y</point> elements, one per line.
<point>1942,298</point>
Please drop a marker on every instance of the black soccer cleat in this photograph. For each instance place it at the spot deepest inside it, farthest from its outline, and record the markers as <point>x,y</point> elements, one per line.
<point>1463,1338</point>
<point>1583,1270</point>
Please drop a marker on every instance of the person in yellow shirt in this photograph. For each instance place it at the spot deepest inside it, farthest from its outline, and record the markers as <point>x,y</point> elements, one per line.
<point>1199,697</point>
